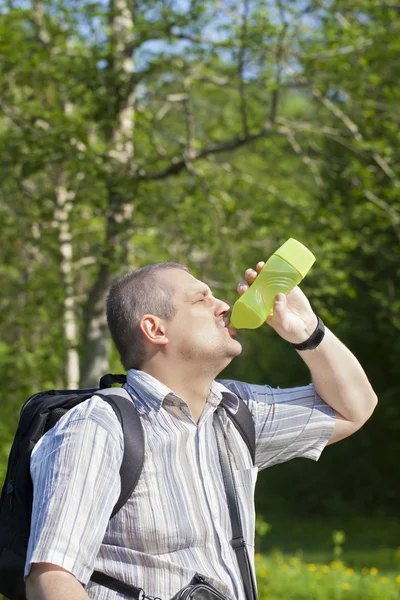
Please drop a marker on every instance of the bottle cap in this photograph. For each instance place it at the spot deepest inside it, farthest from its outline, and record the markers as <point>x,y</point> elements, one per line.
<point>297,255</point>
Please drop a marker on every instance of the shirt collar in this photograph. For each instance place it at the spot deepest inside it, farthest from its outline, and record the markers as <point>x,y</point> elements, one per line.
<point>152,393</point>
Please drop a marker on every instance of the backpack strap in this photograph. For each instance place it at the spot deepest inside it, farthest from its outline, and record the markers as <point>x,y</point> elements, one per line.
<point>243,421</point>
<point>132,462</point>
<point>110,378</point>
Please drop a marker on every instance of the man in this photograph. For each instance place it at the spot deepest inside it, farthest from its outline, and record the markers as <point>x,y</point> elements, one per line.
<point>174,339</point>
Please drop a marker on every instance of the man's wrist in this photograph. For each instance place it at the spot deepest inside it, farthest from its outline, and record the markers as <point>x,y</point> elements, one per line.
<point>314,340</point>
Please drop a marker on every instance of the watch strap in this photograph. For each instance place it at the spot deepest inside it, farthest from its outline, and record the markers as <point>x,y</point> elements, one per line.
<point>314,340</point>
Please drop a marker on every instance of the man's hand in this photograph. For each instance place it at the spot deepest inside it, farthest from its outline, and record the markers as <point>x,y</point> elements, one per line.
<point>336,373</point>
<point>292,316</point>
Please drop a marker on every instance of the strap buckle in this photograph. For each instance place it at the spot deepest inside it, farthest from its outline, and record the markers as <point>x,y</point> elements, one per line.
<point>238,542</point>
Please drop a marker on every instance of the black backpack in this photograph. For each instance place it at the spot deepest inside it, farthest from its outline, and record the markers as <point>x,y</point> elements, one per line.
<point>39,414</point>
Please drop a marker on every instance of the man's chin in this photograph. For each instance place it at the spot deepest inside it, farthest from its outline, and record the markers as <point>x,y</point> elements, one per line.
<point>236,348</point>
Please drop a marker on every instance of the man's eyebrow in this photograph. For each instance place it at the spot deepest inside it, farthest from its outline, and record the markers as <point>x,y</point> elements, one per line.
<point>205,291</point>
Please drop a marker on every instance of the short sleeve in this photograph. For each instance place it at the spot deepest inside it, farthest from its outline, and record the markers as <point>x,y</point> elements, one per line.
<point>75,473</point>
<point>290,423</point>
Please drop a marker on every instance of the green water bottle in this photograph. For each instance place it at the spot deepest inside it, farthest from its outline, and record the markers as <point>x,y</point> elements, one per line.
<point>280,274</point>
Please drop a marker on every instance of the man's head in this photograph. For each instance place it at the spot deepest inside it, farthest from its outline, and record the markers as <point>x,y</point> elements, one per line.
<point>134,295</point>
<point>163,309</point>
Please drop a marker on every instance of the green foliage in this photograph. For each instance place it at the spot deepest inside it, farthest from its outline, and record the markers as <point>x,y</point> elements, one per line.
<point>338,538</point>
<point>261,530</point>
<point>194,136</point>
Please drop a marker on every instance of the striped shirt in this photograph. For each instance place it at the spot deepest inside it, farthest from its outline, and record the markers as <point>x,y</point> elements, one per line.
<point>176,523</point>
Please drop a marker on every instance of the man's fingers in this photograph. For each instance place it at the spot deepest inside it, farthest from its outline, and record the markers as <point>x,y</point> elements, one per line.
<point>260,265</point>
<point>278,316</point>
<point>280,302</point>
<point>250,275</point>
<point>242,287</point>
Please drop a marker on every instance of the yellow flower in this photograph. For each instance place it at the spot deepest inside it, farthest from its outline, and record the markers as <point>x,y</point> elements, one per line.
<point>346,586</point>
<point>294,561</point>
<point>325,569</point>
<point>349,571</point>
<point>374,571</point>
<point>398,579</point>
<point>312,567</point>
<point>335,564</point>
<point>257,556</point>
<point>364,571</point>
<point>263,574</point>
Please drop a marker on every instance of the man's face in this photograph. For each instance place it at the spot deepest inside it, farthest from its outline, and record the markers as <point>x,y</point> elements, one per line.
<point>199,332</point>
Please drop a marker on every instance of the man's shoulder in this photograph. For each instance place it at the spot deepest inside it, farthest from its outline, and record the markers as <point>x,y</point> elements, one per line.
<point>94,410</point>
<point>239,388</point>
<point>86,421</point>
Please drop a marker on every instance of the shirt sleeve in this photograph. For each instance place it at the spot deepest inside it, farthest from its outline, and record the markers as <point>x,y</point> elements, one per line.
<point>76,482</point>
<point>290,423</point>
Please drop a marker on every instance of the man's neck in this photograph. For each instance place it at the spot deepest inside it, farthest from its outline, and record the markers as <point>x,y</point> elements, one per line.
<point>193,388</point>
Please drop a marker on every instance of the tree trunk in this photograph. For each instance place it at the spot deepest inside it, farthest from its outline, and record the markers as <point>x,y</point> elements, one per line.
<point>95,359</point>
<point>64,200</point>
<point>96,338</point>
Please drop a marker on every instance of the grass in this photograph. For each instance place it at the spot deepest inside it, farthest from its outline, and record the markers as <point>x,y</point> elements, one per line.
<point>361,564</point>
<point>283,577</point>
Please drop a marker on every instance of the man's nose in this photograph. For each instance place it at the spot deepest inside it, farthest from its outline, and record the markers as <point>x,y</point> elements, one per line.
<point>222,308</point>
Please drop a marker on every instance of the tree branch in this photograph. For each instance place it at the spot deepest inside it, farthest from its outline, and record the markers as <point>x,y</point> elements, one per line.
<point>305,158</point>
<point>393,214</point>
<point>352,127</point>
<point>271,189</point>
<point>179,164</point>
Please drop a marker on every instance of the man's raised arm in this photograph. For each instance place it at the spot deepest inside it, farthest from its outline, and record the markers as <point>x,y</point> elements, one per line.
<point>337,375</point>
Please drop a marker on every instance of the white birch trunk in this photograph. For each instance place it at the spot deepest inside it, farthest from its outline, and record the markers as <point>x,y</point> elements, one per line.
<point>64,200</point>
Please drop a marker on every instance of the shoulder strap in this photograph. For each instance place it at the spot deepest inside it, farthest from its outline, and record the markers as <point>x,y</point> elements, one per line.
<point>110,378</point>
<point>242,420</point>
<point>131,468</point>
<point>238,541</point>
<point>132,462</point>
<point>244,423</point>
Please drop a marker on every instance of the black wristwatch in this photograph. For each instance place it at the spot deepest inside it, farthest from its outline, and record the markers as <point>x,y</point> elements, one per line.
<point>315,338</point>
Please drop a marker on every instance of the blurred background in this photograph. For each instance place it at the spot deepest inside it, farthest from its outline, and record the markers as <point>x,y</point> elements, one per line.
<point>208,132</point>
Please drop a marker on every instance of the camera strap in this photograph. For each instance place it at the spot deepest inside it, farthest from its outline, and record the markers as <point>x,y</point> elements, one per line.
<point>238,542</point>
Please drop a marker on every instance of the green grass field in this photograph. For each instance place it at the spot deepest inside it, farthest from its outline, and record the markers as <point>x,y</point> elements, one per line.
<point>313,560</point>
<point>283,577</point>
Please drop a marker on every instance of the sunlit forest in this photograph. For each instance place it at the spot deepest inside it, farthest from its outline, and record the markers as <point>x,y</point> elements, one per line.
<point>208,132</point>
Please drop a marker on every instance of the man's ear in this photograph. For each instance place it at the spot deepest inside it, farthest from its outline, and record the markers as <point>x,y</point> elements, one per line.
<point>153,329</point>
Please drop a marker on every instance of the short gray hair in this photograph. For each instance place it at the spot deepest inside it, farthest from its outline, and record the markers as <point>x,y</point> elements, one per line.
<point>132,296</point>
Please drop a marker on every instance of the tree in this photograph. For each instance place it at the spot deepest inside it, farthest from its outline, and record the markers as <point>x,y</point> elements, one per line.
<point>202,132</point>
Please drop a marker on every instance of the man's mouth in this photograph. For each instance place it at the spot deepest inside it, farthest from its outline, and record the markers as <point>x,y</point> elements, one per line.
<point>230,329</point>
